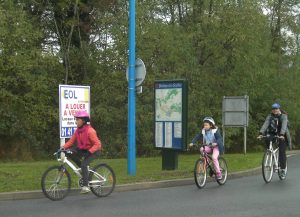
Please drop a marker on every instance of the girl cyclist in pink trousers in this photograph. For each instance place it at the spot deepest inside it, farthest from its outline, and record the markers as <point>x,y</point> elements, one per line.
<point>210,136</point>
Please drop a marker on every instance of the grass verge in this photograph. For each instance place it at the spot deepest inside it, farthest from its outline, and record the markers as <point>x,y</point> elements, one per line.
<point>25,176</point>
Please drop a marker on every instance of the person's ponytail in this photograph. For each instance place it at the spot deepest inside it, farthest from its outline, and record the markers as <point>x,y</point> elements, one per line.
<point>283,112</point>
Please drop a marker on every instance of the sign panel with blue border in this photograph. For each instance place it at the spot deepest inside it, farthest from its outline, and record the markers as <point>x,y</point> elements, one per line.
<point>71,99</point>
<point>170,114</point>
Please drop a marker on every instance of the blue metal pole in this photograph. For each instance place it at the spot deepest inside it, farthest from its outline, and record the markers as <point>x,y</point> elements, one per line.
<point>131,158</point>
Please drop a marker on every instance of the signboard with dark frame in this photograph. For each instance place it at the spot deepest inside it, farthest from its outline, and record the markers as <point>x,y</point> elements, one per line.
<point>170,114</point>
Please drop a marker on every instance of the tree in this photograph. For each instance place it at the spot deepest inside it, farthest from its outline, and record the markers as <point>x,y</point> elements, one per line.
<point>221,47</point>
<point>26,87</point>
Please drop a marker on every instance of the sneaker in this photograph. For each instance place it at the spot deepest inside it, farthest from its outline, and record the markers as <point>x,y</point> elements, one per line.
<point>85,190</point>
<point>283,173</point>
<point>219,176</point>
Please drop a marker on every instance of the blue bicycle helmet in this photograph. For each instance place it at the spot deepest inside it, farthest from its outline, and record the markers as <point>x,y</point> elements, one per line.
<point>276,106</point>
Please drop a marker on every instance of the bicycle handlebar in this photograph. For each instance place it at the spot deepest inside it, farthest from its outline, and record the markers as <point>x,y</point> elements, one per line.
<point>202,146</point>
<point>64,151</point>
<point>276,136</point>
<point>268,136</point>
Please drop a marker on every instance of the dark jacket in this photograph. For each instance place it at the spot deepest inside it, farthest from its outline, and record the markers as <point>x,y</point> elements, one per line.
<point>283,125</point>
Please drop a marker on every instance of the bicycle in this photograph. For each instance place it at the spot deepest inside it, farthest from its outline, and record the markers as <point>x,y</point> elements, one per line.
<point>270,162</point>
<point>204,165</point>
<point>56,180</point>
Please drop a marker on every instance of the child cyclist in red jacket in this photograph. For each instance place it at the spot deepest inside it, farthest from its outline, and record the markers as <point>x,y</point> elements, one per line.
<point>210,136</point>
<point>88,146</point>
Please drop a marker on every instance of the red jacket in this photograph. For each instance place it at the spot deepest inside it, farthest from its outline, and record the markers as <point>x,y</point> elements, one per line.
<point>94,143</point>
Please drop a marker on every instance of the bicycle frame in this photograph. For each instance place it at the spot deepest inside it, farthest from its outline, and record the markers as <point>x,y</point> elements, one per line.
<point>274,155</point>
<point>207,160</point>
<point>64,160</point>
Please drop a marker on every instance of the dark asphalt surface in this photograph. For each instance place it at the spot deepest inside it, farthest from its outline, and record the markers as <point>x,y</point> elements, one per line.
<point>242,197</point>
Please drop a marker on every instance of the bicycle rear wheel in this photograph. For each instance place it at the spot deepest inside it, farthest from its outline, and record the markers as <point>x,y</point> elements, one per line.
<point>267,166</point>
<point>102,180</point>
<point>56,183</point>
<point>224,171</point>
<point>200,173</point>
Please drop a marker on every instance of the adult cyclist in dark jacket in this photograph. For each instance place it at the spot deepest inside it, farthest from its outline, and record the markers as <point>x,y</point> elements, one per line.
<point>276,123</point>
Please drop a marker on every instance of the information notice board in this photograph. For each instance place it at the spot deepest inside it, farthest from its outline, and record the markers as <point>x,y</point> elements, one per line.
<point>170,114</point>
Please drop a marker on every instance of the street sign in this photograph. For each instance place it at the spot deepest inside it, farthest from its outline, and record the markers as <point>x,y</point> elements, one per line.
<point>140,72</point>
<point>71,99</point>
<point>235,111</point>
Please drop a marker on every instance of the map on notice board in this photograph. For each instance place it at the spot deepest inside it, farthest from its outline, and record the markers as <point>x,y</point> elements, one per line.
<point>168,104</point>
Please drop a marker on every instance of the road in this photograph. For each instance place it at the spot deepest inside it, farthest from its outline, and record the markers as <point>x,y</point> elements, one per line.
<point>242,197</point>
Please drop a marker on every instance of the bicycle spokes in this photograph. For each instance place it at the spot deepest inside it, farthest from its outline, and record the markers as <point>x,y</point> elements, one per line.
<point>200,173</point>
<point>102,180</point>
<point>223,170</point>
<point>268,162</point>
<point>201,168</point>
<point>56,183</point>
<point>60,176</point>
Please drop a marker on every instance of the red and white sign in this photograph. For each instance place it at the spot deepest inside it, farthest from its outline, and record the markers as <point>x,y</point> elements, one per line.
<point>71,99</point>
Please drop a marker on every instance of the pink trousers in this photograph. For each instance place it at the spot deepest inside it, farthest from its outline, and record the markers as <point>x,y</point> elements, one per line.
<point>215,154</point>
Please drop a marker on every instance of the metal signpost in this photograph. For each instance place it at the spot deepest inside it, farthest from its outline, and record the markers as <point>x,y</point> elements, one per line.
<point>170,120</point>
<point>236,114</point>
<point>71,99</point>
<point>140,75</point>
<point>131,158</point>
<point>135,75</point>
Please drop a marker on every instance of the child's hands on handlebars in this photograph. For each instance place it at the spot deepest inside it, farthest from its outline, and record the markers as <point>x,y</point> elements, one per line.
<point>214,144</point>
<point>189,146</point>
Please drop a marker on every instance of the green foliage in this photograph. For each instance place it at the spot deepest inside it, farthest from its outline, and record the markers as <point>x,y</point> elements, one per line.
<point>28,86</point>
<point>223,48</point>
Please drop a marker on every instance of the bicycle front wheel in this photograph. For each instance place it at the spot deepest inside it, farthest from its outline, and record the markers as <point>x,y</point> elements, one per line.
<point>56,183</point>
<point>267,166</point>
<point>224,171</point>
<point>200,173</point>
<point>102,180</point>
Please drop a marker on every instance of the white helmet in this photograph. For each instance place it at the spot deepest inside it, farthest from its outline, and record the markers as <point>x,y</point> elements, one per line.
<point>210,120</point>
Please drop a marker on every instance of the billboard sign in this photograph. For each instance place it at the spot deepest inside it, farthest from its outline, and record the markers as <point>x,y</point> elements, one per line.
<point>71,99</point>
